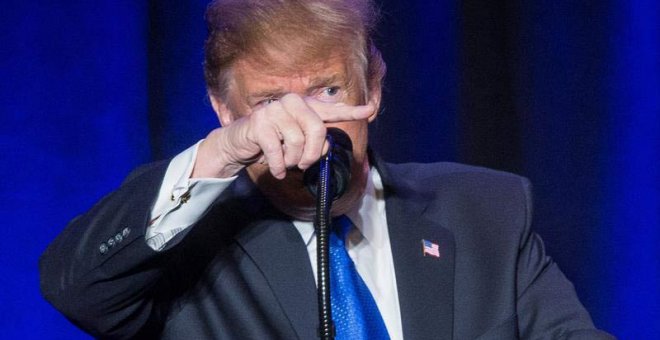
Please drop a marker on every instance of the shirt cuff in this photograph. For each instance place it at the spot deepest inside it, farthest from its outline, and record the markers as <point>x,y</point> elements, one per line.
<point>181,201</point>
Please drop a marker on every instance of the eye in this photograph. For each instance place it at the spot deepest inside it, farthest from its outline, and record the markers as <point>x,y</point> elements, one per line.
<point>331,91</point>
<point>265,102</point>
<point>330,94</point>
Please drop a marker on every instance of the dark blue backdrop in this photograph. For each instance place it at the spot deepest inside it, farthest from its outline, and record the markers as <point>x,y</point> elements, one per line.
<point>565,93</point>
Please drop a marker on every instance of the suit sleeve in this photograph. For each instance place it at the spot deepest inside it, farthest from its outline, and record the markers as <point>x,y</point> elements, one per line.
<point>548,307</point>
<point>99,271</point>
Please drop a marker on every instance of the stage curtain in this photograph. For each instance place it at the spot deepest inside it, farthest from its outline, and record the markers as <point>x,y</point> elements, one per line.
<point>565,93</point>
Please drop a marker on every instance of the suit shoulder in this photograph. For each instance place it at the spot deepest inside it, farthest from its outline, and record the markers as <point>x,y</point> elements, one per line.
<point>457,193</point>
<point>450,174</point>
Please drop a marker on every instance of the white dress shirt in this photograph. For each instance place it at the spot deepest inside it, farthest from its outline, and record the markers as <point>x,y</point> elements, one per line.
<point>182,201</point>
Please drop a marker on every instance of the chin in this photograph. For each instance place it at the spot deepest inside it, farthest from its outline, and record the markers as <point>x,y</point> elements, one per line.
<point>307,211</point>
<point>291,197</point>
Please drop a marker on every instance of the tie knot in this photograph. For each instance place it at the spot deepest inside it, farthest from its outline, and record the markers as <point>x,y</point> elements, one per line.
<point>341,226</point>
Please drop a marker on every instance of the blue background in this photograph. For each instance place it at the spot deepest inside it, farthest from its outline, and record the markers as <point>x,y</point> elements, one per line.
<point>565,93</point>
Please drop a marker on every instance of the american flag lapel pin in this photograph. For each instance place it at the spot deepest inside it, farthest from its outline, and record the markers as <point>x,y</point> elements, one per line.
<point>430,249</point>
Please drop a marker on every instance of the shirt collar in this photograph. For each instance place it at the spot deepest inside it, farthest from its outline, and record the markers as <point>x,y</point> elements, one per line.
<point>361,215</point>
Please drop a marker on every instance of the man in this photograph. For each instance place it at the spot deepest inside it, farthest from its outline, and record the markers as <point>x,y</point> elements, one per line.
<point>218,243</point>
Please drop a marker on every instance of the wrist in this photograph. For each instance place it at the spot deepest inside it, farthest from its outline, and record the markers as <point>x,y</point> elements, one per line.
<point>212,160</point>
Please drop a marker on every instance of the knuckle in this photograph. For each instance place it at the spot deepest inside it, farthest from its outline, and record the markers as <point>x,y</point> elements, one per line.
<point>272,109</point>
<point>258,114</point>
<point>271,148</point>
<point>317,130</point>
<point>289,97</point>
<point>296,140</point>
<point>258,119</point>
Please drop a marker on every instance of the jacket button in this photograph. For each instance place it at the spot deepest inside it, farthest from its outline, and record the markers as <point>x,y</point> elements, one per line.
<point>111,242</point>
<point>118,238</point>
<point>103,248</point>
<point>125,232</point>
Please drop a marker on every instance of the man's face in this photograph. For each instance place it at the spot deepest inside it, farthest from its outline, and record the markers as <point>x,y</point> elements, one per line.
<point>255,86</point>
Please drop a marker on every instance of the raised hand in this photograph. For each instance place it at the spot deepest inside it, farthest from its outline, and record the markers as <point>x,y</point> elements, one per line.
<point>284,133</point>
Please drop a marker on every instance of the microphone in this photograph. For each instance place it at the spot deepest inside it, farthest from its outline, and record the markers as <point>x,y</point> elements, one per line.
<point>340,153</point>
<point>327,180</point>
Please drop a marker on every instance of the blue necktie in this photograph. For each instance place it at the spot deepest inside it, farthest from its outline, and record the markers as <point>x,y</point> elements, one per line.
<point>354,309</point>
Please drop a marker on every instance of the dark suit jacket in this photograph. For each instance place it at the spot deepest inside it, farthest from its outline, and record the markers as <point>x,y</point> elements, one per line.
<point>242,272</point>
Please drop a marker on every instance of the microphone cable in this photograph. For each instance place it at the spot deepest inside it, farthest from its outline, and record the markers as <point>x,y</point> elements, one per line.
<point>322,226</point>
<point>327,180</point>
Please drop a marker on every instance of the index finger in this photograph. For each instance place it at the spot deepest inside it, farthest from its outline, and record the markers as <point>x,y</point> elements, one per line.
<point>338,112</point>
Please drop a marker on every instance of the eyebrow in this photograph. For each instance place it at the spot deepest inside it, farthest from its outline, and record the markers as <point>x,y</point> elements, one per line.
<point>270,93</point>
<point>323,81</point>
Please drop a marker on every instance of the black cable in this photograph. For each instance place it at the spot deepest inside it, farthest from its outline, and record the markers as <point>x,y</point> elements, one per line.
<point>322,226</point>
<point>327,180</point>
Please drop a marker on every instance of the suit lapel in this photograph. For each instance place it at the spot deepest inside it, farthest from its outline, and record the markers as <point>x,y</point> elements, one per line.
<point>278,250</point>
<point>275,246</point>
<point>425,283</point>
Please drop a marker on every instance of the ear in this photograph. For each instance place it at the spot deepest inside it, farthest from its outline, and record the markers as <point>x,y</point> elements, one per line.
<point>221,110</point>
<point>374,99</point>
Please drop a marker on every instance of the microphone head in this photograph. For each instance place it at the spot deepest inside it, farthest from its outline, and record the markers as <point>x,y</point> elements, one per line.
<point>341,151</point>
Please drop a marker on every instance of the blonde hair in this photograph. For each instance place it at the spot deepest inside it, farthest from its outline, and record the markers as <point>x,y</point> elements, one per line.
<point>305,31</point>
